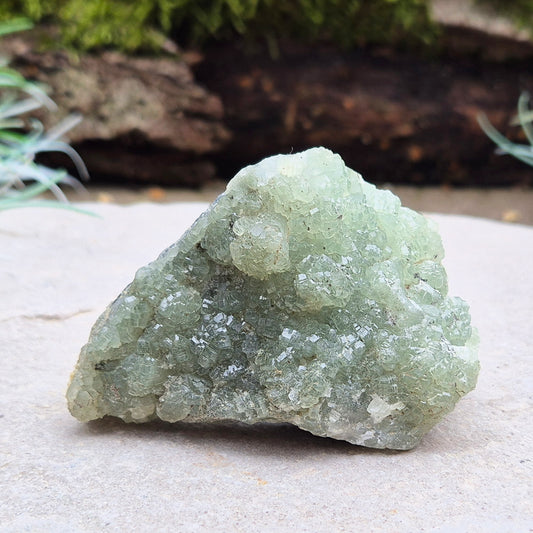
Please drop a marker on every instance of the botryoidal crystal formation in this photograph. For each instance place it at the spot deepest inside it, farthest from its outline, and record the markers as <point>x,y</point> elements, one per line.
<point>302,295</point>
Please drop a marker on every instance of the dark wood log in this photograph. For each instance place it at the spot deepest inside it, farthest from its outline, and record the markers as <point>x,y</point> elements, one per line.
<point>399,117</point>
<point>393,116</point>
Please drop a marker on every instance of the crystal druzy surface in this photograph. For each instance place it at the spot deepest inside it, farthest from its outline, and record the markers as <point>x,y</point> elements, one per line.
<point>302,295</point>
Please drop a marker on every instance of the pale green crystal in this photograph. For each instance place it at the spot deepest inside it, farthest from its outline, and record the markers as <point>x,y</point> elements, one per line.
<point>303,295</point>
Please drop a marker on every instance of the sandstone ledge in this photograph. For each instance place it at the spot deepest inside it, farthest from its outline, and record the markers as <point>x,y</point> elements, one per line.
<point>57,272</point>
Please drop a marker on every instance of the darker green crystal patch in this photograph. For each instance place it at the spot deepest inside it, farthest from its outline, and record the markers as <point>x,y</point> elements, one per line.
<point>302,295</point>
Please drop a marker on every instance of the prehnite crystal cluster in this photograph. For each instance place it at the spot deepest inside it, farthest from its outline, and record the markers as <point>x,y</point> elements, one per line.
<point>302,295</point>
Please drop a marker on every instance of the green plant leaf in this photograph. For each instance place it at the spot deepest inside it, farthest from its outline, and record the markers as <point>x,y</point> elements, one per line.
<point>14,25</point>
<point>521,152</point>
<point>525,116</point>
<point>21,179</point>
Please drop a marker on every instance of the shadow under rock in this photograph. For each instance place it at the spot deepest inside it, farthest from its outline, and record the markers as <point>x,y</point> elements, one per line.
<point>261,439</point>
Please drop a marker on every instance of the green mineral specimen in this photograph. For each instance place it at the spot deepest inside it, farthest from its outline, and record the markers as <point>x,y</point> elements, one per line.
<point>302,295</point>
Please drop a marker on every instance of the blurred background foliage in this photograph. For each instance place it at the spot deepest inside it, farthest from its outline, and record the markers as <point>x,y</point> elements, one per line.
<point>425,123</point>
<point>91,24</point>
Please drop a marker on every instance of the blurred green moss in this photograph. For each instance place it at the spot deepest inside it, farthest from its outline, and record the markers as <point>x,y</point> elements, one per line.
<point>144,24</point>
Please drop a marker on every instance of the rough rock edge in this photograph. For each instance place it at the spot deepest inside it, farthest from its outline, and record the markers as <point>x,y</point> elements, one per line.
<point>143,104</point>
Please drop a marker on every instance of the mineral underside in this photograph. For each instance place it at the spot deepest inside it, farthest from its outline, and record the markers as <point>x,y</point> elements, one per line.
<point>302,295</point>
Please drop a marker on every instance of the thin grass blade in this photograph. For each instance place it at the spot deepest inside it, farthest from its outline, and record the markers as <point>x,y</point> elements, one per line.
<point>523,111</point>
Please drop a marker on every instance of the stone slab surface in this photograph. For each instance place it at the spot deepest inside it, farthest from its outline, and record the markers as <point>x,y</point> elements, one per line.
<point>58,270</point>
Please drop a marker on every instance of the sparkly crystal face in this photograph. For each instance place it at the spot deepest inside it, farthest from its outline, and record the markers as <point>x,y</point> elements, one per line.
<point>302,295</point>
